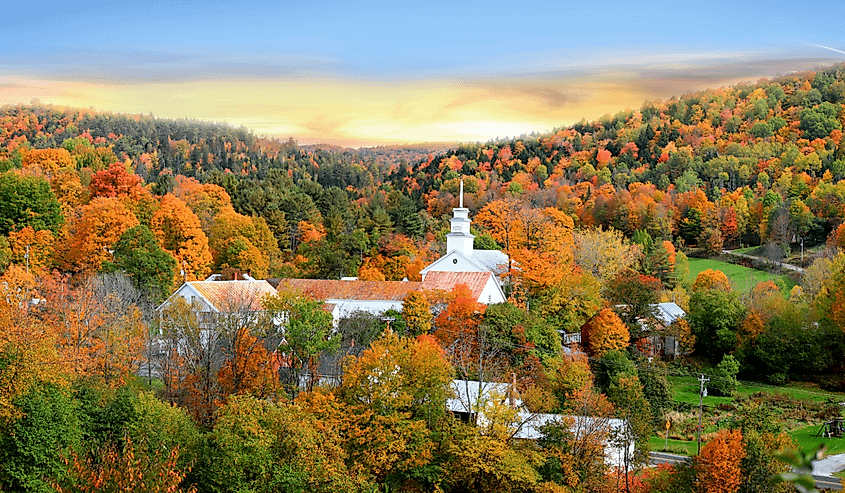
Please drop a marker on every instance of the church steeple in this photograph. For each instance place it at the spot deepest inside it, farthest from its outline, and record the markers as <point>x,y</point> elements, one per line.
<point>460,238</point>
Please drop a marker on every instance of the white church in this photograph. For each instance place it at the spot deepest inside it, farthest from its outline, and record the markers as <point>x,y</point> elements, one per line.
<point>479,270</point>
<point>460,254</point>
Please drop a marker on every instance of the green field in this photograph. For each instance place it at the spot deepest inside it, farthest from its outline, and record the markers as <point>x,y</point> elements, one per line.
<point>686,389</point>
<point>742,279</point>
<point>806,440</point>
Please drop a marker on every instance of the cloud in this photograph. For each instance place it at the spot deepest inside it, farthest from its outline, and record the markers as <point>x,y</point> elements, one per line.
<point>360,111</point>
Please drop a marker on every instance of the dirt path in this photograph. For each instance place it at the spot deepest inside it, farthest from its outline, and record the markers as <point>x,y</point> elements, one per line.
<point>782,265</point>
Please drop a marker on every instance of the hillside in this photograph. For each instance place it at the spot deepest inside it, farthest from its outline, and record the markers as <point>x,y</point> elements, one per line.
<point>102,216</point>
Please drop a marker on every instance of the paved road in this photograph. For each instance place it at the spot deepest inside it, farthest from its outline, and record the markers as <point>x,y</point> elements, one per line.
<point>822,481</point>
<point>791,267</point>
<point>664,458</point>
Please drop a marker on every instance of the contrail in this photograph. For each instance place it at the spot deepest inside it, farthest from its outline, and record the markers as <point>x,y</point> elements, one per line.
<point>828,48</point>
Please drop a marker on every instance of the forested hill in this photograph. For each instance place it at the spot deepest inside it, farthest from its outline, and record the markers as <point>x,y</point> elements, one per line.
<point>192,148</point>
<point>782,135</point>
<point>750,164</point>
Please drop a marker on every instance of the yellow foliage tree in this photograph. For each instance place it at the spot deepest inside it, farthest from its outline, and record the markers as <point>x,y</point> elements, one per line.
<point>27,349</point>
<point>416,310</point>
<point>396,388</point>
<point>711,279</point>
<point>49,161</point>
<point>30,248</point>
<point>242,242</point>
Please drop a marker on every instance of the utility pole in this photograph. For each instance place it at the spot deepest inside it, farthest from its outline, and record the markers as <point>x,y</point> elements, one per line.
<point>701,395</point>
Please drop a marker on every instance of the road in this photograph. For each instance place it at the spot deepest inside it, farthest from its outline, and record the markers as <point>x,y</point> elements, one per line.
<point>791,267</point>
<point>822,482</point>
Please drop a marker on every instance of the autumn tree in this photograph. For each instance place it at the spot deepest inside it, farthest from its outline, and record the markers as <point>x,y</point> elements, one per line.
<point>712,279</point>
<point>95,231</point>
<point>48,161</point>
<point>573,448</point>
<point>245,330</point>
<point>125,468</point>
<point>27,348</point>
<point>115,181</point>
<point>139,256</point>
<point>416,311</point>
<point>178,231</point>
<point>242,242</point>
<point>265,446</point>
<point>500,219</point>
<point>191,361</point>
<point>205,199</point>
<point>718,464</point>
<point>570,304</point>
<point>33,249</point>
<point>605,332</point>
<point>398,387</point>
<point>634,296</point>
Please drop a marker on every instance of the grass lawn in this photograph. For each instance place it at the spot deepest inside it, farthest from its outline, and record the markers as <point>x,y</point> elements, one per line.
<point>806,440</point>
<point>681,447</point>
<point>742,278</point>
<point>686,389</point>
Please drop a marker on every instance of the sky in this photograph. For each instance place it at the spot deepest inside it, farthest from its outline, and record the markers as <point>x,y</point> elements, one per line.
<point>366,73</point>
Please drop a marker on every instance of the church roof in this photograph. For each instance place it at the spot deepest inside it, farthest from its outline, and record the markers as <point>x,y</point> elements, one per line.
<point>446,281</point>
<point>325,289</point>
<point>495,260</point>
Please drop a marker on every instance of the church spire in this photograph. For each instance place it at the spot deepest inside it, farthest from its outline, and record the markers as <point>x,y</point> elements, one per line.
<point>460,238</point>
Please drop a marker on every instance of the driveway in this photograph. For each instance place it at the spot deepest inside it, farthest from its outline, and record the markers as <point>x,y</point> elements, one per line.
<point>782,265</point>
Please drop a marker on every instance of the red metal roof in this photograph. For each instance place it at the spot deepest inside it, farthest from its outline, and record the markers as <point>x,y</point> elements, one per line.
<point>446,281</point>
<point>325,289</point>
<point>233,295</point>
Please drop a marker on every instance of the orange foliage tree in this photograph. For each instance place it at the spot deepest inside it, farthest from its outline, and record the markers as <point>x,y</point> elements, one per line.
<point>98,328</point>
<point>178,231</point>
<point>125,469</point>
<point>205,199</point>
<point>93,232</point>
<point>712,279</point>
<point>718,464</point>
<point>461,317</point>
<point>605,332</point>
<point>30,248</point>
<point>114,182</point>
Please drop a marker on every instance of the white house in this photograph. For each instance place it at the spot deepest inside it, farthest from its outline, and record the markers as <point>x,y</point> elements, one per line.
<point>345,297</point>
<point>209,297</point>
<point>470,398</point>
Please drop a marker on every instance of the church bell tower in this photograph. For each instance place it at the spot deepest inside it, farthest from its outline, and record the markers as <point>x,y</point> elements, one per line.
<point>460,239</point>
